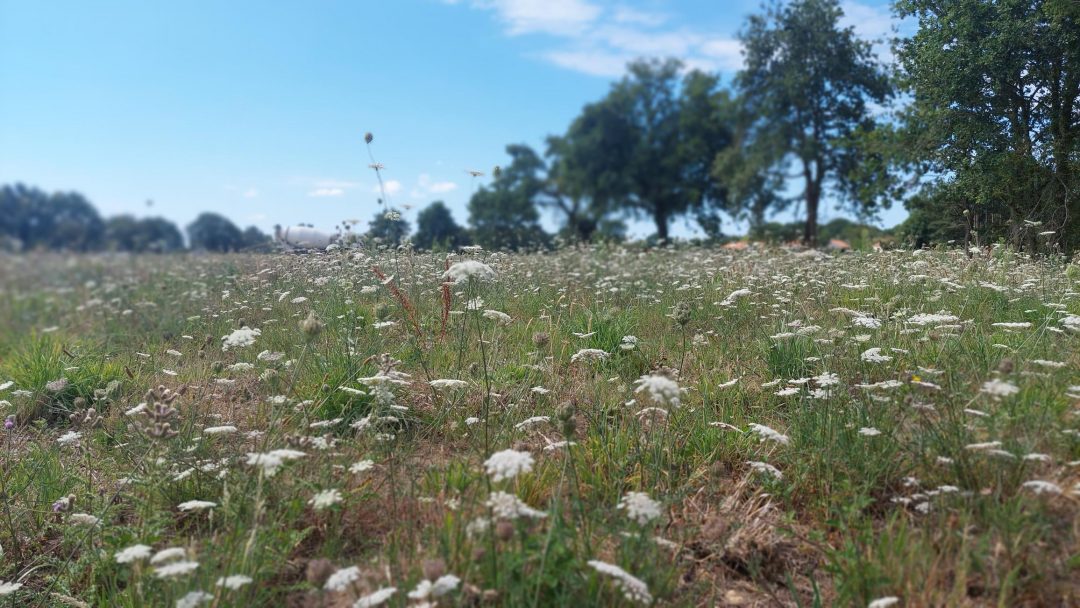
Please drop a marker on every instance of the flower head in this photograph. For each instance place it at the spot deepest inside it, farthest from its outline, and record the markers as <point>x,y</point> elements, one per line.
<point>508,464</point>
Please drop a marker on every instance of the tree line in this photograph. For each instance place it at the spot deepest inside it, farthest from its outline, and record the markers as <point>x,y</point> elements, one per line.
<point>973,126</point>
<point>31,218</point>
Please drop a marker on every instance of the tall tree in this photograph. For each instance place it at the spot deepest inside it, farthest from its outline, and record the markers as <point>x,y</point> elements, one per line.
<point>504,215</point>
<point>436,229</point>
<point>996,111</point>
<point>214,232</point>
<point>807,84</point>
<point>61,220</point>
<point>648,146</point>
<point>254,239</point>
<point>156,234</point>
<point>388,228</point>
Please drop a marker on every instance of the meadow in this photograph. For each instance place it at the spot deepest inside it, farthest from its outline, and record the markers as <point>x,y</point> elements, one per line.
<point>609,426</point>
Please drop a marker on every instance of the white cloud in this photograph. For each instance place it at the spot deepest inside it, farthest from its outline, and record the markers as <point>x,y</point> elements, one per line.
<point>556,17</point>
<point>325,192</point>
<point>426,187</point>
<point>392,186</point>
<point>593,63</point>
<point>336,183</point>
<point>250,193</point>
<point>599,38</point>
<point>626,14</point>
<point>442,187</point>
<point>873,23</point>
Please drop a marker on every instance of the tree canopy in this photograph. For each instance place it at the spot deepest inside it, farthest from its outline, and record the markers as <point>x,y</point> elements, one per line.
<point>996,111</point>
<point>504,215</point>
<point>806,91</point>
<point>214,232</point>
<point>436,229</point>
<point>646,148</point>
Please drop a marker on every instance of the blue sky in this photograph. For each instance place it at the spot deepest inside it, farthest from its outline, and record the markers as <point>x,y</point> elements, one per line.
<point>257,109</point>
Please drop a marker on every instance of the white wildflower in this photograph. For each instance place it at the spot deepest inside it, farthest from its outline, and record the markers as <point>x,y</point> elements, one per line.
<point>192,599</point>
<point>219,430</point>
<point>240,338</point>
<point>589,354</point>
<point>168,554</point>
<point>133,553</point>
<point>873,355</point>
<point>1039,486</point>
<point>325,498</point>
<point>361,466</point>
<point>508,464</point>
<point>640,507</point>
<point>469,270</point>
<point>769,434</point>
<point>196,505</point>
<point>341,579</point>
<point>377,598</point>
<point>174,569</point>
<point>507,506</point>
<point>499,317</point>
<point>633,588</point>
<point>766,468</point>
<point>999,388</point>
<point>69,438</point>
<point>660,388</point>
<point>446,384</point>
<point>234,581</point>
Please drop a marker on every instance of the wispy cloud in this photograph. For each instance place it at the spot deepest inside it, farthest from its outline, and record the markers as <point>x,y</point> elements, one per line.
<point>556,17</point>
<point>250,193</point>
<point>425,187</point>
<point>392,187</point>
<point>326,192</point>
<point>599,38</point>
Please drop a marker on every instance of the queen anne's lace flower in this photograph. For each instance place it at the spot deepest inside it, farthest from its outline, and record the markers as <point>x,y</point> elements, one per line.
<point>640,507</point>
<point>341,579</point>
<point>240,338</point>
<point>769,434</point>
<point>325,498</point>
<point>508,464</point>
<point>469,270</point>
<point>133,553</point>
<point>999,388</point>
<point>507,506</point>
<point>661,389</point>
<point>377,598</point>
<point>633,588</point>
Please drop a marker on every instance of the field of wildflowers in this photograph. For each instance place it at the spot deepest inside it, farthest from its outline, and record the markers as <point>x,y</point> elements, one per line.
<point>591,427</point>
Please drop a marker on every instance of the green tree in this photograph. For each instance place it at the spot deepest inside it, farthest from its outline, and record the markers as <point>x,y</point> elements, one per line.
<point>254,239</point>
<point>806,87</point>
<point>388,228</point>
<point>156,234</point>
<point>214,232</point>
<point>61,220</point>
<point>647,148</point>
<point>996,110</point>
<point>504,215</point>
<point>436,229</point>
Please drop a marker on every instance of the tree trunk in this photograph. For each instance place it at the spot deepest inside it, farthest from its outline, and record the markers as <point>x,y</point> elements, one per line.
<point>810,231</point>
<point>661,220</point>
